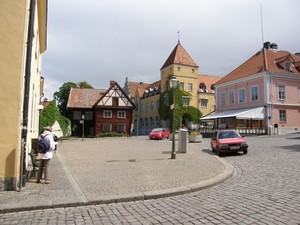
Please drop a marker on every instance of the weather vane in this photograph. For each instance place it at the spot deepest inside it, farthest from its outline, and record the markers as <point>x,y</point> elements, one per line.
<point>178,37</point>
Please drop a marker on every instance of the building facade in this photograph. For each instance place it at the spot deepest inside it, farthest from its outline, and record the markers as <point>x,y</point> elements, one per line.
<point>23,30</point>
<point>96,111</point>
<point>147,96</point>
<point>261,94</point>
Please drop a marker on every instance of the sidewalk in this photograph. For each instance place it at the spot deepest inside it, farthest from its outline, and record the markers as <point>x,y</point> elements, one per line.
<point>110,170</point>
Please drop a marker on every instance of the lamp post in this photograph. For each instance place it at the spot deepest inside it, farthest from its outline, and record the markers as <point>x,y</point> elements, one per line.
<point>82,117</point>
<point>173,85</point>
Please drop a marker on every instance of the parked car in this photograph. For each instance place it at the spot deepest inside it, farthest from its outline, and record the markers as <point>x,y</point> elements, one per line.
<point>159,133</point>
<point>228,141</point>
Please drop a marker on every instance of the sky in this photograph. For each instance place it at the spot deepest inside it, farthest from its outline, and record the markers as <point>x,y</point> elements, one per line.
<point>97,41</point>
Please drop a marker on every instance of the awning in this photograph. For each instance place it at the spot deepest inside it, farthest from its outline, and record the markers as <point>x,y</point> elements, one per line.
<point>257,113</point>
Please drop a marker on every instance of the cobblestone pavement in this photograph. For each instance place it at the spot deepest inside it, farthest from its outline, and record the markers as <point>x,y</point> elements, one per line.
<point>264,189</point>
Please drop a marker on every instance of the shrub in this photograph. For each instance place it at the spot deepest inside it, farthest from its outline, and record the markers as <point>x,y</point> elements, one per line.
<point>111,134</point>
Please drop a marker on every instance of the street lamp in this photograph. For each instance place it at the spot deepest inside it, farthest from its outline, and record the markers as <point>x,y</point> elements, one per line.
<point>82,117</point>
<point>173,85</point>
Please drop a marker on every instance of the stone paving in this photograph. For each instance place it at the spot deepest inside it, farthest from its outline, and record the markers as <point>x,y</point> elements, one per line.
<point>117,170</point>
<point>264,189</point>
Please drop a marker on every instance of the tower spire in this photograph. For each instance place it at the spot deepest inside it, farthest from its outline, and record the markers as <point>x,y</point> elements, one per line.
<point>178,37</point>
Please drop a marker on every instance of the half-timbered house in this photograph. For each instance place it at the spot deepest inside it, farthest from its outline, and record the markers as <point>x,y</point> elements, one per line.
<point>95,111</point>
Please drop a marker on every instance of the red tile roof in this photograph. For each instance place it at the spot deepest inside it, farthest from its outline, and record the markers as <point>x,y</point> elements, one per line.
<point>208,80</point>
<point>264,60</point>
<point>84,98</point>
<point>133,86</point>
<point>179,56</point>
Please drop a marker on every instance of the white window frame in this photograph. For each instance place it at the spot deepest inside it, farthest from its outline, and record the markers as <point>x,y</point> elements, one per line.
<point>105,125</point>
<point>231,97</point>
<point>240,97</point>
<point>282,116</point>
<point>281,91</point>
<point>181,86</point>
<point>251,94</point>
<point>186,100</point>
<point>222,99</point>
<point>122,114</point>
<point>190,87</point>
<point>203,103</point>
<point>147,106</point>
<point>107,114</point>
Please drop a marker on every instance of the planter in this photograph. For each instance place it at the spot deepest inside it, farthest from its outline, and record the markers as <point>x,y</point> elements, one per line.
<point>171,136</point>
<point>195,138</point>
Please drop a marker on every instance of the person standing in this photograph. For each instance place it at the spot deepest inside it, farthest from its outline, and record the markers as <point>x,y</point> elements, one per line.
<point>44,159</point>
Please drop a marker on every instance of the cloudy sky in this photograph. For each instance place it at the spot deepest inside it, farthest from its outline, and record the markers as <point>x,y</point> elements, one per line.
<point>98,41</point>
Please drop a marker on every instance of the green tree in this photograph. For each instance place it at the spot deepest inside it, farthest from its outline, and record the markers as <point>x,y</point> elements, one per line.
<point>190,112</point>
<point>50,115</point>
<point>62,95</point>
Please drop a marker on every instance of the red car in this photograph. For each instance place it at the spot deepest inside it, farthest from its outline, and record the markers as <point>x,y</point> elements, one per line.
<point>159,133</point>
<point>228,141</point>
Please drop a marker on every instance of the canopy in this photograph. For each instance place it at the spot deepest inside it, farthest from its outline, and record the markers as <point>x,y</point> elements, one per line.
<point>257,113</point>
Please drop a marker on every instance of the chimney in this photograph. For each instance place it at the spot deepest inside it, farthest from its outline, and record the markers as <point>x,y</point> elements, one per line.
<point>267,45</point>
<point>82,85</point>
<point>111,83</point>
<point>274,46</point>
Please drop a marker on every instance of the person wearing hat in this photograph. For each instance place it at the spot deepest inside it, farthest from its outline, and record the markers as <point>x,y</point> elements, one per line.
<point>44,159</point>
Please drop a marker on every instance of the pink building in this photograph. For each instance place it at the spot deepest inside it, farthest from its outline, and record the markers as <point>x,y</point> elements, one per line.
<point>262,94</point>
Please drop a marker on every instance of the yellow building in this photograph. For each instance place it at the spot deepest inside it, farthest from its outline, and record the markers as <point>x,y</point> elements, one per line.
<point>23,29</point>
<point>147,96</point>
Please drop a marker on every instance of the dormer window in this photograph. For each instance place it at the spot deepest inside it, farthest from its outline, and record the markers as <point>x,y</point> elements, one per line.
<point>287,67</point>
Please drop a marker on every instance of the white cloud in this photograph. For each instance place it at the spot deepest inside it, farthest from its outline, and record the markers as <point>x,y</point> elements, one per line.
<point>98,41</point>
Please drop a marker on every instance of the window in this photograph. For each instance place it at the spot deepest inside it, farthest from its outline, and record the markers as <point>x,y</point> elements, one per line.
<point>107,114</point>
<point>287,67</point>
<point>222,99</point>
<point>147,106</point>
<point>193,70</point>
<point>121,114</point>
<point>242,95</point>
<point>190,87</point>
<point>120,127</point>
<point>181,86</point>
<point>254,93</point>
<point>203,103</point>
<point>142,108</point>
<point>106,127</point>
<point>186,101</point>
<point>282,116</point>
<point>152,105</point>
<point>76,115</point>
<point>223,121</point>
<point>115,101</point>
<point>281,92</point>
<point>157,104</point>
<point>231,97</point>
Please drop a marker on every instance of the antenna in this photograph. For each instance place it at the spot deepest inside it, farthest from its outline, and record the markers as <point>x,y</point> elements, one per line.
<point>178,37</point>
<point>262,26</point>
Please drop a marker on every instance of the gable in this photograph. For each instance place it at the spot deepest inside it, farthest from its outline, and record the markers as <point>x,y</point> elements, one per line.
<point>115,97</point>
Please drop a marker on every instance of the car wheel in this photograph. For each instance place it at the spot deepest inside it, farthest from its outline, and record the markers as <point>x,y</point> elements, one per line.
<point>218,151</point>
<point>212,148</point>
<point>245,152</point>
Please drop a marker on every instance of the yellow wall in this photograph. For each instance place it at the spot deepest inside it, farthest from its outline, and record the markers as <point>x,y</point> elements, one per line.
<point>185,74</point>
<point>14,16</point>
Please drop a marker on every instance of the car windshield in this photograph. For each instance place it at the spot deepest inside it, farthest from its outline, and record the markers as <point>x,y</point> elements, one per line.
<point>157,130</point>
<point>228,134</point>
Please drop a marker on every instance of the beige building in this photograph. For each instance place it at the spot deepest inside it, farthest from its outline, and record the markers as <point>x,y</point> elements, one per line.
<point>23,29</point>
<point>147,96</point>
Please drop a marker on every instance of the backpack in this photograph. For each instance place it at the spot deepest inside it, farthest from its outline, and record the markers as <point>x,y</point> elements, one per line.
<point>42,145</point>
